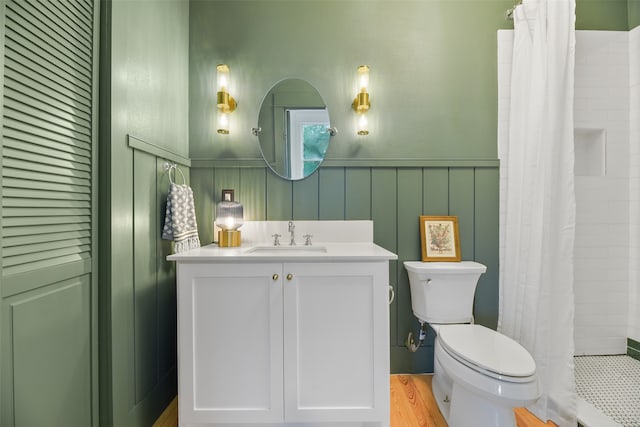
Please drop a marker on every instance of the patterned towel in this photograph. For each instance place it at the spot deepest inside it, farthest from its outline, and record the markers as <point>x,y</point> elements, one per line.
<point>180,219</point>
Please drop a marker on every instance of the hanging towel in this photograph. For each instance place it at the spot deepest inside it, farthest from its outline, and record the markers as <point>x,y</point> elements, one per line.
<point>180,219</point>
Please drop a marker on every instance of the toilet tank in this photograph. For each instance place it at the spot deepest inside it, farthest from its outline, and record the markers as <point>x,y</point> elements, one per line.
<point>442,292</point>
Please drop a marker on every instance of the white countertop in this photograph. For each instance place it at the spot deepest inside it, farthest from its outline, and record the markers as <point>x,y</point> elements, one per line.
<point>318,252</point>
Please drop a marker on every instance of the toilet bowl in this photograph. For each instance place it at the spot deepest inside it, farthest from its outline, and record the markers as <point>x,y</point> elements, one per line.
<point>480,375</point>
<point>488,374</point>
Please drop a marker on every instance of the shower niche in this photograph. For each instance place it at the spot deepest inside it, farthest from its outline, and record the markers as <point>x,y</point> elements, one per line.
<point>590,152</point>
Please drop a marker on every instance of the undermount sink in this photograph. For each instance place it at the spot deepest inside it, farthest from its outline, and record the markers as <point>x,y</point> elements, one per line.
<point>286,249</point>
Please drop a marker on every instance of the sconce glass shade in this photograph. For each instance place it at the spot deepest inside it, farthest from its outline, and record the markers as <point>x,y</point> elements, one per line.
<point>363,78</point>
<point>223,123</point>
<point>222,77</point>
<point>229,217</point>
<point>363,125</point>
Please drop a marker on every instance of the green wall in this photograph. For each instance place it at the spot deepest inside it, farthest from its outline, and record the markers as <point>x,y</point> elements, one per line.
<point>609,15</point>
<point>426,104</point>
<point>634,13</point>
<point>144,118</point>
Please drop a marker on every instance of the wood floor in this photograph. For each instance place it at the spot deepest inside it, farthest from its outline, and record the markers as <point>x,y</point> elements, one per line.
<point>412,405</point>
<point>169,417</point>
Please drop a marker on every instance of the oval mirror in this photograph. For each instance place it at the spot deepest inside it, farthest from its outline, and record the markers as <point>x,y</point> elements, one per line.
<point>293,129</point>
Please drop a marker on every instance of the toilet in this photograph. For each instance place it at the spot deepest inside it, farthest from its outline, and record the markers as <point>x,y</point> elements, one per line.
<point>480,375</point>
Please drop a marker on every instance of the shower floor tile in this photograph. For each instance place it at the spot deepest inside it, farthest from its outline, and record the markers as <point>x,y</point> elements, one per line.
<point>612,385</point>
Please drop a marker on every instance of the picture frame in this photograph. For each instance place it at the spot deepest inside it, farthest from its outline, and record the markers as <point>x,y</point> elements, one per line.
<point>439,238</point>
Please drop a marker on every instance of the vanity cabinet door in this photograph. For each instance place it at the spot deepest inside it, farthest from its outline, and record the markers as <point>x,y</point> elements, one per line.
<point>230,342</point>
<point>336,342</point>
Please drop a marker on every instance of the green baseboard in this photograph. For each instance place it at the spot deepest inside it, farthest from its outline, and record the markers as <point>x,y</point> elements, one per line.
<point>633,348</point>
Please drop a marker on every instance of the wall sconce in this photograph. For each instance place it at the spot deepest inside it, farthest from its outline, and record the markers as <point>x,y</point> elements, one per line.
<point>361,102</point>
<point>226,103</point>
<point>229,217</point>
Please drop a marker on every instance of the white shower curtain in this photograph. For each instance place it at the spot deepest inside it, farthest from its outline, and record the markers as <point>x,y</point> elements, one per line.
<point>538,202</point>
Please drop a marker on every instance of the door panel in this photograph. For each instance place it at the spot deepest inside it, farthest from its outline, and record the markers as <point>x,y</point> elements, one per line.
<point>51,354</point>
<point>230,340</point>
<point>336,342</point>
<point>48,289</point>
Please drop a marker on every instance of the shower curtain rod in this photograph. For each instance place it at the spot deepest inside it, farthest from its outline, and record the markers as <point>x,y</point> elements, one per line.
<point>508,14</point>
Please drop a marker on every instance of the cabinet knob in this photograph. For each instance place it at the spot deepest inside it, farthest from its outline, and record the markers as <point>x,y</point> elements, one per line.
<point>289,276</point>
<point>275,277</point>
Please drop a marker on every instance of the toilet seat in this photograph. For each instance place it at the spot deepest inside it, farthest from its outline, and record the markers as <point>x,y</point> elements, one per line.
<point>487,351</point>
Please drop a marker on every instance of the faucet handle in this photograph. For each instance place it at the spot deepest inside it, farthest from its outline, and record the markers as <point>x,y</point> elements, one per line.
<point>307,239</point>
<point>276,239</point>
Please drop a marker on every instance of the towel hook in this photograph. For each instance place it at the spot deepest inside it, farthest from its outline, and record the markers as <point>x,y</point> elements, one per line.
<point>172,166</point>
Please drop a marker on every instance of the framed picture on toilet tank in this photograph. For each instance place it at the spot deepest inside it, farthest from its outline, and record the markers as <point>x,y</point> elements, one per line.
<point>439,238</point>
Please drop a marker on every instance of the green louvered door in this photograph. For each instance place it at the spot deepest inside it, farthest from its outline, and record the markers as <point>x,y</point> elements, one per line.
<point>48,359</point>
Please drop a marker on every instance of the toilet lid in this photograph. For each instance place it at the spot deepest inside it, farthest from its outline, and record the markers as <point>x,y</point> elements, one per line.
<point>487,349</point>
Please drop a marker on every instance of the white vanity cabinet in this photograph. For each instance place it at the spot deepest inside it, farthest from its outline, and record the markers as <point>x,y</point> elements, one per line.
<point>283,343</point>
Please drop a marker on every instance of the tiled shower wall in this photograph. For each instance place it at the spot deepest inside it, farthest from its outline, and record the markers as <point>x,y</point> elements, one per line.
<point>601,267</point>
<point>601,114</point>
<point>634,138</point>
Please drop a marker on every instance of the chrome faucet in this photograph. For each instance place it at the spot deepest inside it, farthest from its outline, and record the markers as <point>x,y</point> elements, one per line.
<point>292,227</point>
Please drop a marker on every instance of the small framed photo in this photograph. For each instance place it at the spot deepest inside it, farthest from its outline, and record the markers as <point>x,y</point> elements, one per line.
<point>227,196</point>
<point>439,238</point>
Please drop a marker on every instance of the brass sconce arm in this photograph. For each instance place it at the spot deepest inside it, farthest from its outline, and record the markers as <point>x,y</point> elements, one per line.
<point>226,103</point>
<point>361,102</point>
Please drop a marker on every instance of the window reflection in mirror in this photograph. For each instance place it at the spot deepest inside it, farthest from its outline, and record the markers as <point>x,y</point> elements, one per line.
<point>307,140</point>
